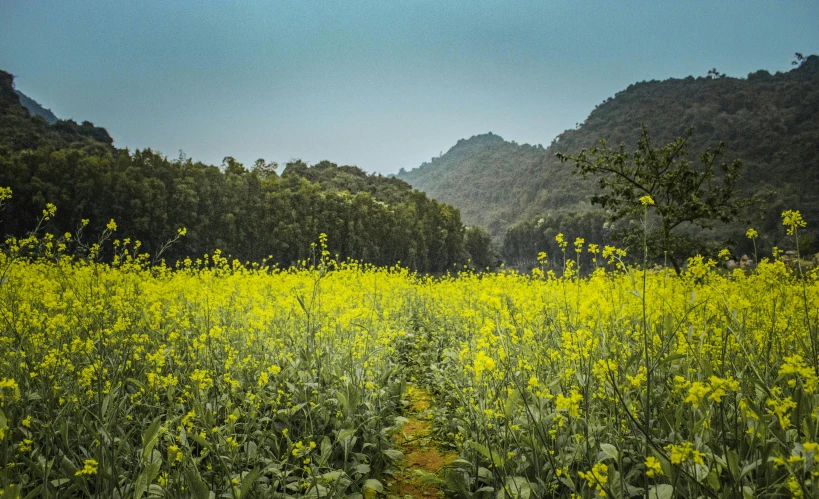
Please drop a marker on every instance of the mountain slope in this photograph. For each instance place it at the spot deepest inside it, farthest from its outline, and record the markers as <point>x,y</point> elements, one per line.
<point>771,122</point>
<point>35,108</point>
<point>20,130</point>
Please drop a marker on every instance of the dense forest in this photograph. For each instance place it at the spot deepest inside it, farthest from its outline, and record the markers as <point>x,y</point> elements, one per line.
<point>522,194</point>
<point>250,214</point>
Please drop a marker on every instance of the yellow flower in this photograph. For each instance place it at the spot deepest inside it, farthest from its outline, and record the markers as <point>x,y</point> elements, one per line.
<point>8,384</point>
<point>782,408</point>
<point>752,233</point>
<point>646,200</point>
<point>721,386</point>
<point>49,211</point>
<point>696,392</point>
<point>685,452</point>
<point>570,404</point>
<point>111,225</point>
<point>598,477</point>
<point>483,363</point>
<point>578,244</point>
<point>653,467</point>
<point>89,468</point>
<point>792,219</point>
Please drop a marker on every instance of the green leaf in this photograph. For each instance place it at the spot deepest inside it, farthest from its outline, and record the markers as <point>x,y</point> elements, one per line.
<point>609,452</point>
<point>332,476</point>
<point>345,433</point>
<point>713,480</point>
<point>615,484</point>
<point>197,487</point>
<point>371,488</point>
<point>326,448</point>
<point>59,482</point>
<point>493,457</point>
<point>511,404</point>
<point>662,491</point>
<point>749,468</point>
<point>151,470</point>
<point>35,492</point>
<point>395,455</point>
<point>141,485</point>
<point>150,437</point>
<point>249,482</point>
<point>517,486</point>
<point>11,492</point>
<point>427,478</point>
<point>733,464</point>
<point>460,464</point>
<point>199,440</point>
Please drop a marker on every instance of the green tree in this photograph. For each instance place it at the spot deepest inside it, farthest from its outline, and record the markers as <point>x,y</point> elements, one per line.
<point>265,169</point>
<point>664,181</point>
<point>478,244</point>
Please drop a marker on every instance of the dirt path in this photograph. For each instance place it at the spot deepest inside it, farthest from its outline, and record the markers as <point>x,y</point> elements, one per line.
<point>422,457</point>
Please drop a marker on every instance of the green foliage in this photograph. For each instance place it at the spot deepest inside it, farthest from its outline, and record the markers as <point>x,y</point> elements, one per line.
<point>664,182</point>
<point>489,180</point>
<point>769,121</point>
<point>249,214</point>
<point>478,244</point>
<point>523,241</point>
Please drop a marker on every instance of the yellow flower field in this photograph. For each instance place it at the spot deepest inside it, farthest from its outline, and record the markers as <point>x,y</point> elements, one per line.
<point>217,379</point>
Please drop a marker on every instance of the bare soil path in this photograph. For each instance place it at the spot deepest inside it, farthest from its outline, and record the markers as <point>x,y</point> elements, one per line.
<point>422,456</point>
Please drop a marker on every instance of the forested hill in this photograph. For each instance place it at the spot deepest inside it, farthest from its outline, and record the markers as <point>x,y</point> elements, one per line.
<point>248,213</point>
<point>769,121</point>
<point>19,129</point>
<point>489,179</point>
<point>35,108</point>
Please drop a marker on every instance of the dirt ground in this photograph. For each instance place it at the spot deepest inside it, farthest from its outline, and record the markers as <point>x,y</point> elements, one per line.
<point>422,456</point>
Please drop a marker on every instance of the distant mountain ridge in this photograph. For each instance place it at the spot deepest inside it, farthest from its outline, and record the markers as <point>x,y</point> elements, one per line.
<point>35,108</point>
<point>20,129</point>
<point>770,121</point>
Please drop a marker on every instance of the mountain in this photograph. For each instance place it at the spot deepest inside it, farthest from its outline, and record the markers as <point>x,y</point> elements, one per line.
<point>769,121</point>
<point>489,180</point>
<point>35,108</point>
<point>19,129</point>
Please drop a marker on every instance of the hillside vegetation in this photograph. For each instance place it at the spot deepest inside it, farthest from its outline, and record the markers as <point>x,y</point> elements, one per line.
<point>36,109</point>
<point>770,122</point>
<point>250,214</point>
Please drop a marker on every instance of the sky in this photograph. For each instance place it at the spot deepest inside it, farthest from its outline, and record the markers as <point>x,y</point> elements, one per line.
<point>378,84</point>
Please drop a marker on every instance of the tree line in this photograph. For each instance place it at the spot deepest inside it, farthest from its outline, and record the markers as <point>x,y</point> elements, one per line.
<point>250,213</point>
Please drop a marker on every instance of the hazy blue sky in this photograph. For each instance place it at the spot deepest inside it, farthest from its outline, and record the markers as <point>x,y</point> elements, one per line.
<point>382,84</point>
